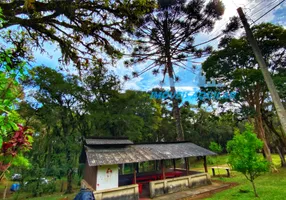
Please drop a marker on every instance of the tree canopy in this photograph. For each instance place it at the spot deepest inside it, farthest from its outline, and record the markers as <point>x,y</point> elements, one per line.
<point>235,66</point>
<point>166,39</point>
<point>83,29</point>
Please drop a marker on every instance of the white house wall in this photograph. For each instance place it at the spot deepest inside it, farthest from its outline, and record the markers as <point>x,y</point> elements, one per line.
<point>107,177</point>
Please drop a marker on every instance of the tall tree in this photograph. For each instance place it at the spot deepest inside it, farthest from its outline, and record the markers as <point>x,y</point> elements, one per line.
<point>99,87</point>
<point>166,39</point>
<point>60,102</point>
<point>235,66</point>
<point>199,123</point>
<point>280,110</point>
<point>78,27</point>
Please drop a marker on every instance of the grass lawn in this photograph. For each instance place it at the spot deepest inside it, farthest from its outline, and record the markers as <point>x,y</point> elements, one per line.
<point>270,186</point>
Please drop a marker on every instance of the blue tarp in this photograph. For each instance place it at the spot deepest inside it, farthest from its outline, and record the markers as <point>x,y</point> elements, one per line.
<point>84,194</point>
<point>14,187</point>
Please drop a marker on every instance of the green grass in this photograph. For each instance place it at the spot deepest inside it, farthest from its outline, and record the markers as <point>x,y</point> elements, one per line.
<point>211,161</point>
<point>270,186</point>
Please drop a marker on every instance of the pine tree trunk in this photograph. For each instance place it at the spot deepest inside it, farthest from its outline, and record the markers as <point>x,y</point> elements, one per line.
<point>176,109</point>
<point>177,116</point>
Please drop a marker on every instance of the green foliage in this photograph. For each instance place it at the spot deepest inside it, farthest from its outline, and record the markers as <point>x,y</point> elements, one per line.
<point>11,72</point>
<point>10,92</point>
<point>198,123</point>
<point>240,73</point>
<point>33,182</point>
<point>168,34</point>
<point>38,188</point>
<point>91,106</point>
<point>215,147</point>
<point>1,18</point>
<point>243,156</point>
<point>211,160</point>
<point>166,39</point>
<point>104,21</point>
<point>13,140</point>
<point>21,161</point>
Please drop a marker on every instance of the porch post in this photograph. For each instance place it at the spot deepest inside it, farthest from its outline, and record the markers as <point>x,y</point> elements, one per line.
<point>156,165</point>
<point>134,176</point>
<point>123,168</point>
<point>205,164</point>
<point>174,164</point>
<point>163,169</point>
<point>187,165</point>
<point>137,167</point>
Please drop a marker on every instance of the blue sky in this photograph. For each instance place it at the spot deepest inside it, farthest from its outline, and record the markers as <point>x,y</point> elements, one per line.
<point>188,83</point>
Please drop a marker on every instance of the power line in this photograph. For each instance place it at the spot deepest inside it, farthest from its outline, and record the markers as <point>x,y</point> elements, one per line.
<point>268,11</point>
<point>218,36</point>
<point>265,8</point>
<point>257,5</point>
<point>260,10</point>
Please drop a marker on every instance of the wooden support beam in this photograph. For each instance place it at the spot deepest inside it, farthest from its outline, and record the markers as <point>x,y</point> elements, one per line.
<point>156,165</point>
<point>163,169</point>
<point>205,164</point>
<point>134,177</point>
<point>187,165</point>
<point>174,164</point>
<point>137,167</point>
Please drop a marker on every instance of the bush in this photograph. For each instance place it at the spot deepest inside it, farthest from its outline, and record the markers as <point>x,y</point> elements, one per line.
<point>211,160</point>
<point>37,187</point>
<point>243,156</point>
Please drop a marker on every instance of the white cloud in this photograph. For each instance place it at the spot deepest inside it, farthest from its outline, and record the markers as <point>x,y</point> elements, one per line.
<point>132,84</point>
<point>183,89</point>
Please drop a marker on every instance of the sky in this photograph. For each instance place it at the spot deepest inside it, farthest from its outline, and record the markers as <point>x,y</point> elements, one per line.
<point>188,81</point>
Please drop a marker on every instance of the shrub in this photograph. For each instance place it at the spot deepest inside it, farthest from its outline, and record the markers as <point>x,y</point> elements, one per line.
<point>37,187</point>
<point>243,156</point>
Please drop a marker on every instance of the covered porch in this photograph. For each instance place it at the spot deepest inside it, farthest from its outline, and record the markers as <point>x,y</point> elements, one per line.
<point>164,176</point>
<point>137,173</point>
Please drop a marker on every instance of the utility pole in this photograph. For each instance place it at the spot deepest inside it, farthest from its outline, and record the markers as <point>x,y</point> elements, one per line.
<point>267,77</point>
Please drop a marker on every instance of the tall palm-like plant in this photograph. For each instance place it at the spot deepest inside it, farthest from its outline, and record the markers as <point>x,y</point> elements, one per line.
<point>166,39</point>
